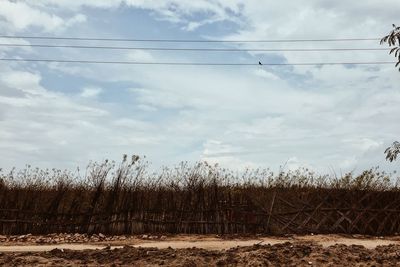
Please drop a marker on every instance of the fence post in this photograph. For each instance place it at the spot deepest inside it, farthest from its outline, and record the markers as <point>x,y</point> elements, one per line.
<point>270,209</point>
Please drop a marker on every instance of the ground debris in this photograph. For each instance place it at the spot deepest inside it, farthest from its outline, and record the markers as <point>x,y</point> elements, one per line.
<point>284,254</point>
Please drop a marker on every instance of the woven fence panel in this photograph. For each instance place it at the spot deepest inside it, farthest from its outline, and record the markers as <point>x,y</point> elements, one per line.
<point>224,211</point>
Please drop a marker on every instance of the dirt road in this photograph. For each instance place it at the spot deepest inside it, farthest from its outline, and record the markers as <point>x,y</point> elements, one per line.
<point>206,242</point>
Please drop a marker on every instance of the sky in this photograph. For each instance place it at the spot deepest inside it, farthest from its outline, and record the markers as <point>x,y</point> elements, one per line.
<point>327,118</point>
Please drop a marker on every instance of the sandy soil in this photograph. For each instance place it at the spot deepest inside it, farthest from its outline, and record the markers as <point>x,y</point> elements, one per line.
<point>207,242</point>
<point>318,250</point>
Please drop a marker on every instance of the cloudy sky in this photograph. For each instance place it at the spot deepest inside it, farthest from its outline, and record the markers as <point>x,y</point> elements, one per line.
<point>327,118</point>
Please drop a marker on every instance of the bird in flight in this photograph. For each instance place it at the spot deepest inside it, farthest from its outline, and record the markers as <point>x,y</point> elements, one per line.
<point>259,63</point>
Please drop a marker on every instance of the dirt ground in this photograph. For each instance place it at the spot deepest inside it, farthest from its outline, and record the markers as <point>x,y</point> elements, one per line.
<point>310,250</point>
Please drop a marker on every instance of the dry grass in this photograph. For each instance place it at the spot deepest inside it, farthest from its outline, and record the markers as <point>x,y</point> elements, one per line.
<point>201,198</point>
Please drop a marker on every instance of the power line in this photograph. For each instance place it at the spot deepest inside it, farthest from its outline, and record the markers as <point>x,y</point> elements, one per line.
<point>193,49</point>
<point>188,40</point>
<point>192,63</point>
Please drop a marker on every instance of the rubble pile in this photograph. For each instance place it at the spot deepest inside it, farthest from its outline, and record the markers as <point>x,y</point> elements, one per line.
<point>72,238</point>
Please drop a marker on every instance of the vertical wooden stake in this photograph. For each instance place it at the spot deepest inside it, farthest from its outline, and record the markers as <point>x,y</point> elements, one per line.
<point>270,210</point>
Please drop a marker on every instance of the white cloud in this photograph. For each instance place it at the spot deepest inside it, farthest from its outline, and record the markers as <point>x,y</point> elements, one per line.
<point>48,129</point>
<point>272,120</point>
<point>173,10</point>
<point>79,18</point>
<point>21,16</point>
<point>91,92</point>
<point>364,144</point>
<point>307,18</point>
<point>140,56</point>
<point>333,116</point>
<point>265,74</point>
<point>225,155</point>
<point>22,81</point>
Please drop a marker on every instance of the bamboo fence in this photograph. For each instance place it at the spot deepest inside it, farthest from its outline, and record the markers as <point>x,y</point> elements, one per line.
<point>200,210</point>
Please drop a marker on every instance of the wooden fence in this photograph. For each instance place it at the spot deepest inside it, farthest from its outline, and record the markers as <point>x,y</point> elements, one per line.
<point>215,210</point>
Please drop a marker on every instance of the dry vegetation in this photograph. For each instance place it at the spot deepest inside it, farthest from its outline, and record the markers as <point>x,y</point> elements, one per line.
<point>126,198</point>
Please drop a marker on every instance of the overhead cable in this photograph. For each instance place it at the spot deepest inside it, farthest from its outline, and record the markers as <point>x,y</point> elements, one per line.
<point>193,49</point>
<point>192,63</point>
<point>188,40</point>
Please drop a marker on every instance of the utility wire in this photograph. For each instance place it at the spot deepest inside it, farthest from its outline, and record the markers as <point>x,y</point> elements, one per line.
<point>188,40</point>
<point>192,63</point>
<point>193,49</point>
